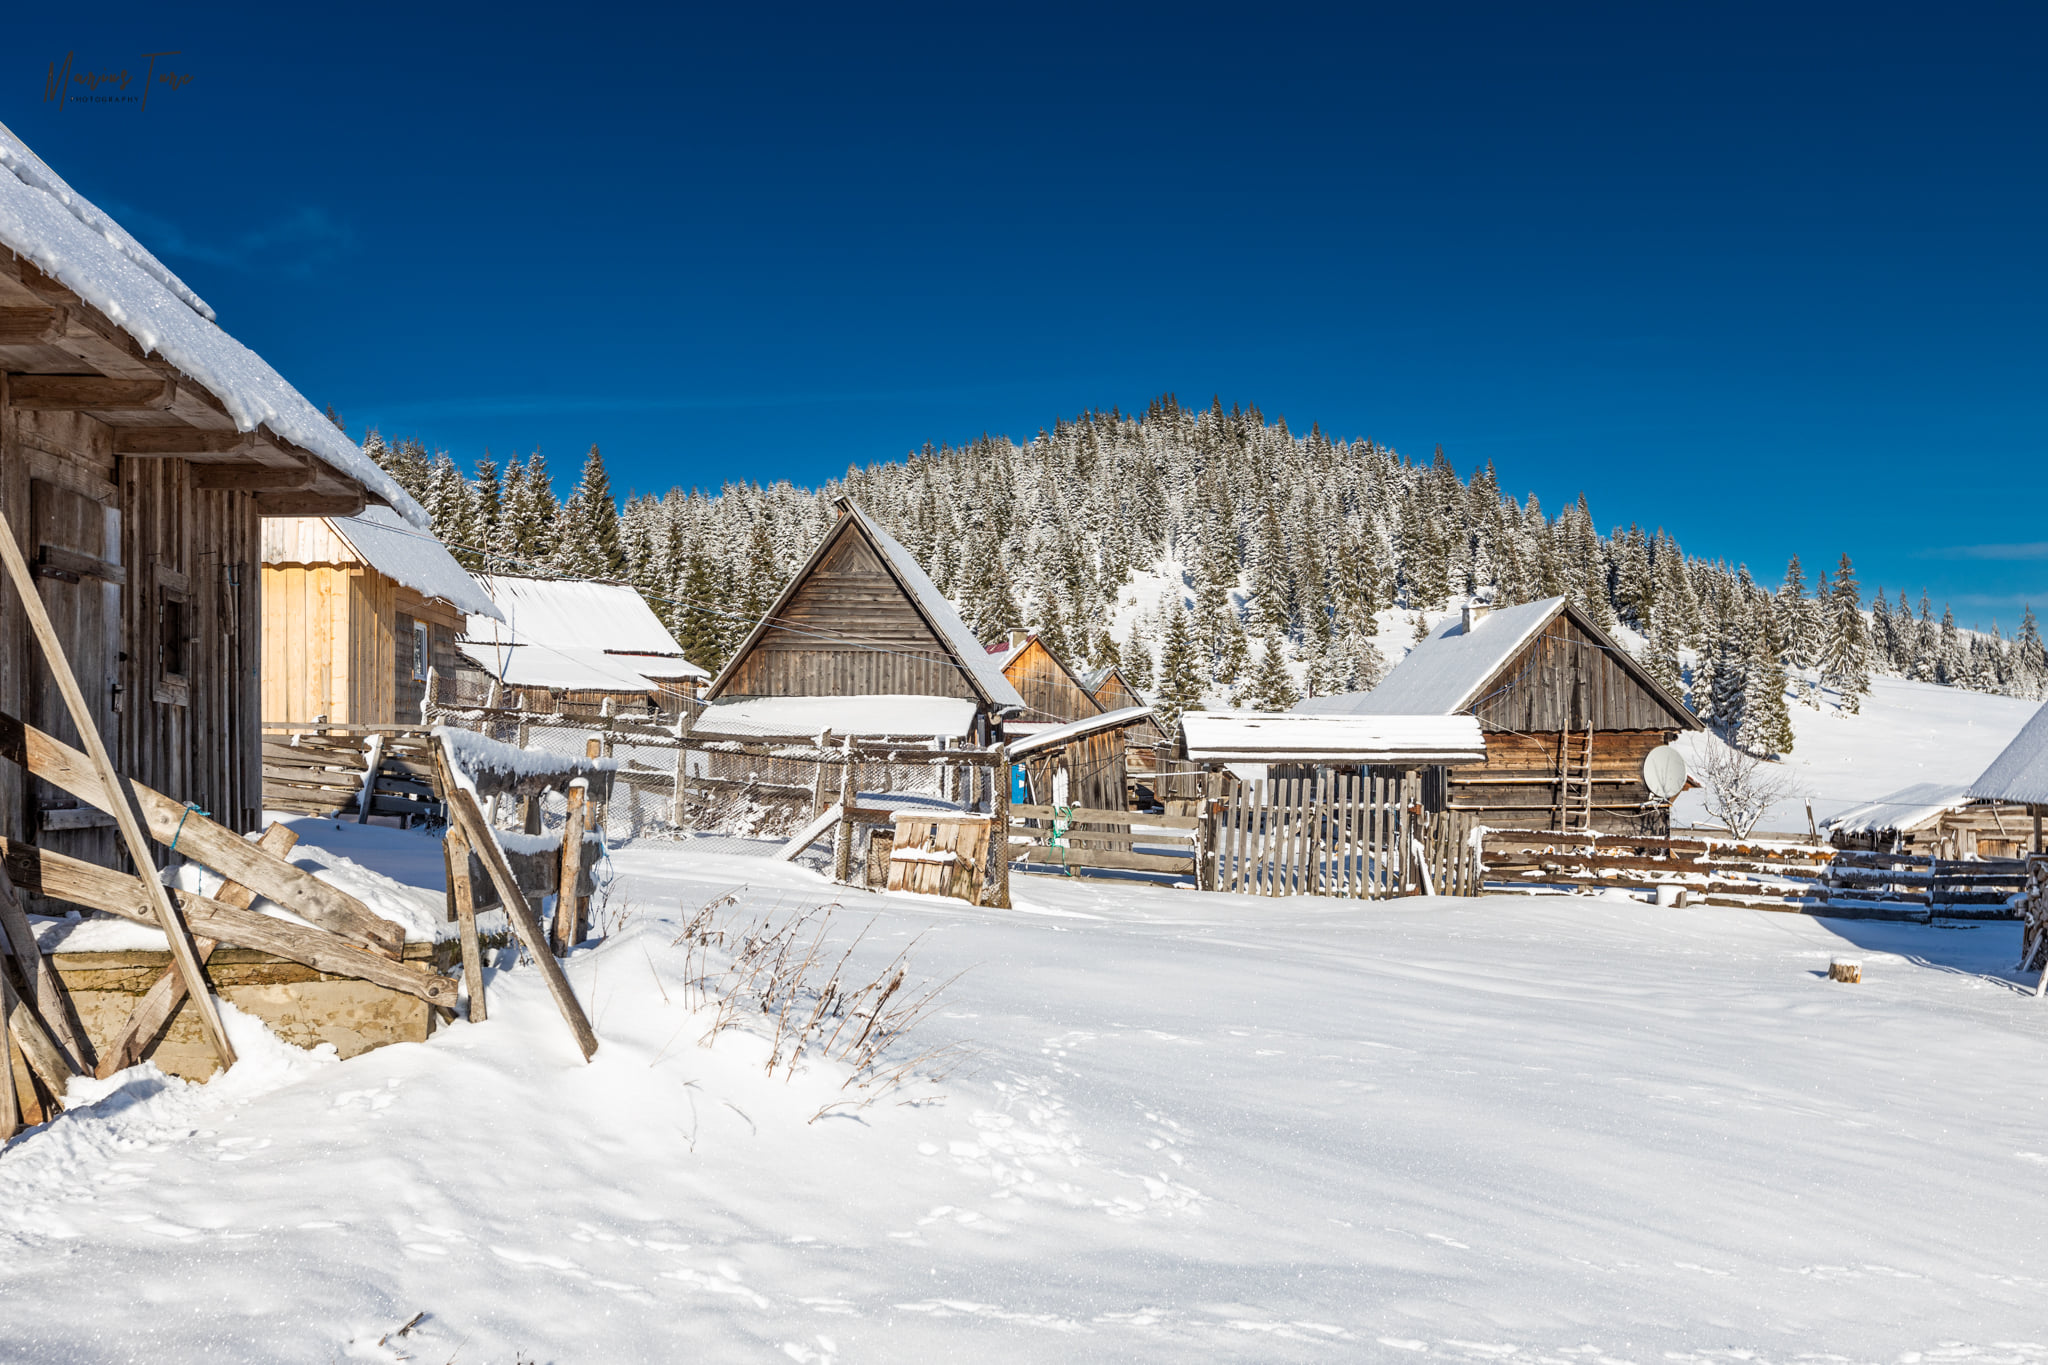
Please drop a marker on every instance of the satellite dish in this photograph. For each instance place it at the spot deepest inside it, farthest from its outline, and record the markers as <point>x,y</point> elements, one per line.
<point>1664,772</point>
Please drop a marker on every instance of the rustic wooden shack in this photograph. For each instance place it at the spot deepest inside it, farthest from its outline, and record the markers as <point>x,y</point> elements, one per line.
<point>1080,763</point>
<point>1569,716</point>
<point>1053,693</point>
<point>1113,692</point>
<point>1937,820</point>
<point>580,645</point>
<point>862,622</point>
<point>357,611</point>
<point>141,449</point>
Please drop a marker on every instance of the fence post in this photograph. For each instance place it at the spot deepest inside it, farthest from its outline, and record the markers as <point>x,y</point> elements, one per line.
<point>679,812</point>
<point>842,834</point>
<point>1206,840</point>
<point>818,774</point>
<point>998,893</point>
<point>567,930</point>
<point>600,811</point>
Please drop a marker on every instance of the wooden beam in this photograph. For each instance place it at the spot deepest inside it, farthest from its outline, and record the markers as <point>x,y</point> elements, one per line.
<point>89,393</point>
<point>99,888</point>
<point>30,326</point>
<point>120,795</point>
<point>162,999</point>
<point>463,809</point>
<point>147,441</point>
<point>54,561</point>
<point>192,833</point>
<point>311,504</point>
<point>252,478</point>
<point>45,988</point>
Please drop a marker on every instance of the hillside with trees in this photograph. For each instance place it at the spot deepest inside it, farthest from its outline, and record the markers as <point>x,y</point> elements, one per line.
<point>1295,557</point>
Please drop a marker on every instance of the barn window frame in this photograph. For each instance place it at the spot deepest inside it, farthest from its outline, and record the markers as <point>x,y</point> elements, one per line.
<point>422,650</point>
<point>176,633</point>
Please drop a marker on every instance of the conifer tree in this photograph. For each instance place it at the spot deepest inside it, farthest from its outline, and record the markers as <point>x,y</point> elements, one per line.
<point>1181,678</point>
<point>1269,687</point>
<point>701,630</point>
<point>1845,662</point>
<point>596,518</point>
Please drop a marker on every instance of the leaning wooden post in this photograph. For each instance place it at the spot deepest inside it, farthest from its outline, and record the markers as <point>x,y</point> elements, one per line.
<point>567,930</point>
<point>120,796</point>
<point>462,807</point>
<point>10,1100</point>
<point>46,989</point>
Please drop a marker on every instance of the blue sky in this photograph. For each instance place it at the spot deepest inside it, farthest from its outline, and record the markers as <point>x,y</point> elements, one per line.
<point>1772,277</point>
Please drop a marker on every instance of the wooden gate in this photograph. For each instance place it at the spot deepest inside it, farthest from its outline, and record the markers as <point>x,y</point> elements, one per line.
<point>1337,835</point>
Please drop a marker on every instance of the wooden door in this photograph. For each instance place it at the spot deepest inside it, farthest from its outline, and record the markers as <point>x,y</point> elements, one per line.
<point>75,548</point>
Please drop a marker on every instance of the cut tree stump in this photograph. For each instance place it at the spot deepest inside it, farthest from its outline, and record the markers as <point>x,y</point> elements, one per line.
<point>1845,969</point>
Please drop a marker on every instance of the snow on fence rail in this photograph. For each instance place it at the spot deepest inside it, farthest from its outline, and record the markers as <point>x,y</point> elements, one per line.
<point>1758,874</point>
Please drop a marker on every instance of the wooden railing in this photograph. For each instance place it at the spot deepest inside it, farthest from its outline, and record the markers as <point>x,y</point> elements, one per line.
<point>1338,835</point>
<point>1072,837</point>
<point>321,769</point>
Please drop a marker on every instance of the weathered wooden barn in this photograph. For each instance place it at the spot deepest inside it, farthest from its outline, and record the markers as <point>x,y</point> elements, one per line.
<point>1113,692</point>
<point>357,611</point>
<point>862,622</point>
<point>1053,693</point>
<point>1568,716</point>
<point>141,448</point>
<point>579,644</point>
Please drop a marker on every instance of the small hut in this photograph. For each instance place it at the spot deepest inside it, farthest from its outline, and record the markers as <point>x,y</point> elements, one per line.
<point>580,644</point>
<point>357,611</point>
<point>141,450</point>
<point>1113,692</point>
<point>863,624</point>
<point>1053,693</point>
<point>1930,818</point>
<point>1569,717</point>
<point>2018,777</point>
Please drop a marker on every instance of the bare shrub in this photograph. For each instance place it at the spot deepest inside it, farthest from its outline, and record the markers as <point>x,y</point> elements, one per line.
<point>782,977</point>
<point>1740,788</point>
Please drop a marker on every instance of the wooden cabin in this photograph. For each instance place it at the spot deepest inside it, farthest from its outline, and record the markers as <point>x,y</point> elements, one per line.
<point>1569,716</point>
<point>579,645</point>
<point>141,450</point>
<point>1141,741</point>
<point>357,612</point>
<point>862,622</point>
<point>1053,693</point>
<point>1931,819</point>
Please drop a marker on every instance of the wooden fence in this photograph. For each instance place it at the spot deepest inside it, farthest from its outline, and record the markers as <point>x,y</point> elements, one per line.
<point>1758,874</point>
<point>1336,835</point>
<point>1071,837</point>
<point>319,769</point>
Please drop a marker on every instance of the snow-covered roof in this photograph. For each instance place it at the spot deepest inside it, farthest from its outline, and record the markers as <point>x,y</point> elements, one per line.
<point>2020,773</point>
<point>573,635</point>
<point>1906,808</point>
<point>47,222</point>
<point>398,550</point>
<point>1288,737</point>
<point>859,717</point>
<point>1054,736</point>
<point>1445,671</point>
<point>986,668</point>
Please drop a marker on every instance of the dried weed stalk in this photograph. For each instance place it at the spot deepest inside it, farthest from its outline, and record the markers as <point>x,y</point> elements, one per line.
<point>780,976</point>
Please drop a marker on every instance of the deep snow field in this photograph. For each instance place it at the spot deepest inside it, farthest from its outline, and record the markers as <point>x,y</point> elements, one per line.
<point>1192,1128</point>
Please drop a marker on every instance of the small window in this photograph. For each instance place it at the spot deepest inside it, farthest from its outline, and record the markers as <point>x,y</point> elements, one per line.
<point>174,637</point>
<point>419,651</point>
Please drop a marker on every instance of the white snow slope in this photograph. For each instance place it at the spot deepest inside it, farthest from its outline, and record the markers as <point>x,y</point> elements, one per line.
<point>1195,1127</point>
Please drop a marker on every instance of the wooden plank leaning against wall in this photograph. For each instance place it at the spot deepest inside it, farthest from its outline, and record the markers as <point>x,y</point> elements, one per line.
<point>192,550</point>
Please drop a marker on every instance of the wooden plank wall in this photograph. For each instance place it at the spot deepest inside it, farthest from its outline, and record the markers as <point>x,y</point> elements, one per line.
<point>1050,691</point>
<point>1565,679</point>
<point>203,748</point>
<point>444,625</point>
<point>1516,787</point>
<point>852,632</point>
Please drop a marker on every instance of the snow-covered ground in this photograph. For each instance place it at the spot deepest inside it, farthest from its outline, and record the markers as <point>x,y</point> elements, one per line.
<point>1193,1127</point>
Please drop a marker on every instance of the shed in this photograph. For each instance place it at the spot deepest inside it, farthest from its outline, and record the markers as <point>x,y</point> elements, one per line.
<point>1932,818</point>
<point>356,612</point>
<point>581,642</point>
<point>2019,775</point>
<point>1080,763</point>
<point>1053,693</point>
<point>1568,714</point>
<point>141,449</point>
<point>861,619</point>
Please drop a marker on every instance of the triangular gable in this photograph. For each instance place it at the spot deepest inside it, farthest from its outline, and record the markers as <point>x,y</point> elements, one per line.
<point>1019,665</point>
<point>853,542</point>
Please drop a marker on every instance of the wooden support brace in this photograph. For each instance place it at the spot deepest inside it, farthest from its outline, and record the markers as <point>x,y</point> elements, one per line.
<point>462,808</point>
<point>167,992</point>
<point>120,797</point>
<point>462,909</point>
<point>40,979</point>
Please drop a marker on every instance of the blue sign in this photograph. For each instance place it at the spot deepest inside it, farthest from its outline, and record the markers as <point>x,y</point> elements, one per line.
<point>1020,785</point>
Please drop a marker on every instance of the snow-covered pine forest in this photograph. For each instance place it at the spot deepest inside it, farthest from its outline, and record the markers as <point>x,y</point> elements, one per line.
<point>1301,563</point>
